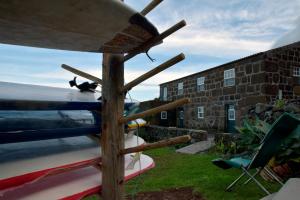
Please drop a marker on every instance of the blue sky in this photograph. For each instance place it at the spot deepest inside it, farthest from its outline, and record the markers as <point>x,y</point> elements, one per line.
<point>217,32</point>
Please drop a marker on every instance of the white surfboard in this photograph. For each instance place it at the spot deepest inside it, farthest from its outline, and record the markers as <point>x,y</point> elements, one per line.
<point>16,96</point>
<point>28,92</point>
<point>38,93</point>
<point>91,26</point>
<point>27,161</point>
<point>73,184</point>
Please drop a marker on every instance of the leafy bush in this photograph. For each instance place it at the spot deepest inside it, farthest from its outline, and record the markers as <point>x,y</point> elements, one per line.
<point>251,134</point>
<point>280,103</point>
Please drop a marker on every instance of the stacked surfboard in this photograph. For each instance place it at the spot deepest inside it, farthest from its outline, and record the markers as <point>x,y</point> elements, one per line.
<point>49,143</point>
<point>68,168</point>
<point>45,131</point>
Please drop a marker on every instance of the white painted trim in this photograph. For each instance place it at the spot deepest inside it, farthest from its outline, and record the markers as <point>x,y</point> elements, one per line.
<point>163,115</point>
<point>200,110</point>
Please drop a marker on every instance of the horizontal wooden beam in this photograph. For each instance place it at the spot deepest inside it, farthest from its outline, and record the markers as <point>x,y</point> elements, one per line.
<point>156,40</point>
<point>94,162</point>
<point>82,74</point>
<point>150,6</point>
<point>153,72</point>
<point>155,145</point>
<point>153,111</point>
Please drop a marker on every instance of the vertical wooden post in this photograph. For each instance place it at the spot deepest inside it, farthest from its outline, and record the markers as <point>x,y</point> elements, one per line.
<point>112,137</point>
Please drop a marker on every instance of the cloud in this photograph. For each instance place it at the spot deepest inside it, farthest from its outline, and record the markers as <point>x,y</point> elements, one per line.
<point>146,90</point>
<point>203,42</point>
<point>217,32</point>
<point>290,37</point>
<point>224,28</point>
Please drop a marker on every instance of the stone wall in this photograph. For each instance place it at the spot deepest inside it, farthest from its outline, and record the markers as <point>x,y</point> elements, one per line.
<point>154,133</point>
<point>279,66</point>
<point>156,119</point>
<point>247,91</point>
<point>258,80</point>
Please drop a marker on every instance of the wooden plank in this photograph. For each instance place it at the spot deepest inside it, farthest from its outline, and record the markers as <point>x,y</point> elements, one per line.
<point>155,145</point>
<point>81,73</point>
<point>112,137</point>
<point>153,72</point>
<point>154,41</point>
<point>73,25</point>
<point>153,111</point>
<point>150,6</point>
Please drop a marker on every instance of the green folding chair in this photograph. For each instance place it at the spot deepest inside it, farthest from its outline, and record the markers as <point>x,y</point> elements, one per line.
<point>282,128</point>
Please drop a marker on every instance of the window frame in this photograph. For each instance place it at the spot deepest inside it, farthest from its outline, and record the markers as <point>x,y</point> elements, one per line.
<point>229,74</point>
<point>200,108</point>
<point>181,114</point>
<point>163,115</point>
<point>296,71</point>
<point>201,82</point>
<point>231,109</point>
<point>165,94</point>
<point>180,90</point>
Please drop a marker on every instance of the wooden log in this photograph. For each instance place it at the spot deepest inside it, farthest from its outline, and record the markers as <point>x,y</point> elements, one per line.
<point>150,43</point>
<point>153,72</point>
<point>112,136</point>
<point>94,162</point>
<point>81,73</point>
<point>153,111</point>
<point>155,145</point>
<point>150,6</point>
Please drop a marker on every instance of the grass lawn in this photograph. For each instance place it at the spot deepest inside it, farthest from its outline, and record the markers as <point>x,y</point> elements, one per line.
<point>175,170</point>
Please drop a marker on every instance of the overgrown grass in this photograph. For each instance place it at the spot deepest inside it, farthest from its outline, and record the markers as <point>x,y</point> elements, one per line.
<point>175,170</point>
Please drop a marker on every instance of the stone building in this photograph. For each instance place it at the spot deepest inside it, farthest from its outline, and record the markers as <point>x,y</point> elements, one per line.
<point>221,96</point>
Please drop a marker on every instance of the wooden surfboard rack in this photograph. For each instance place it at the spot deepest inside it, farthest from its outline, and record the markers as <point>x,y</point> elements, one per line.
<point>113,88</point>
<point>82,74</point>
<point>113,94</point>
<point>159,144</point>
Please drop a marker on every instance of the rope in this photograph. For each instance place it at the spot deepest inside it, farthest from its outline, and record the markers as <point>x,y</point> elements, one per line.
<point>138,178</point>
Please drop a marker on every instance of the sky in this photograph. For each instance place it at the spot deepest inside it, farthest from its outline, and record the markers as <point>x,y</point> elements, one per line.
<point>217,32</point>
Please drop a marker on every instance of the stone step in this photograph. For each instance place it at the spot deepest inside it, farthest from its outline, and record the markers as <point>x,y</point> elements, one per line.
<point>269,197</point>
<point>197,147</point>
<point>289,191</point>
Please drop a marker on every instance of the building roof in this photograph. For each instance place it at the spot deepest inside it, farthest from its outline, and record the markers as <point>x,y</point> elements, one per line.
<point>235,61</point>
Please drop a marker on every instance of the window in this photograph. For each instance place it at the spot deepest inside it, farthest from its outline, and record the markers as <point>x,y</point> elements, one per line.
<point>200,112</point>
<point>180,88</point>
<point>231,113</point>
<point>296,71</point>
<point>181,114</point>
<point>164,115</point>
<point>229,77</point>
<point>200,84</point>
<point>165,94</point>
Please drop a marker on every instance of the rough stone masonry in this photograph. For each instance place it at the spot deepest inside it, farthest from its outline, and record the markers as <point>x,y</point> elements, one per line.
<point>259,78</point>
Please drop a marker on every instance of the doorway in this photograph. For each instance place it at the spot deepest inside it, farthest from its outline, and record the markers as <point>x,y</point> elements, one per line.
<point>180,117</point>
<point>230,119</point>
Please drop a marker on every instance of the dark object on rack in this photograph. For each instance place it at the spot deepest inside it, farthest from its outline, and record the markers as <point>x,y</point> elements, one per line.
<point>83,87</point>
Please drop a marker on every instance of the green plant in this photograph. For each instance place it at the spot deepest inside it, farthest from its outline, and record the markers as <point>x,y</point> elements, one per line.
<point>279,103</point>
<point>287,162</point>
<point>220,146</point>
<point>290,150</point>
<point>254,130</point>
<point>226,149</point>
<point>251,134</point>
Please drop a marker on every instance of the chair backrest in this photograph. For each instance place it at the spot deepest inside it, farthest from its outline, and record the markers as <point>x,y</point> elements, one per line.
<point>271,144</point>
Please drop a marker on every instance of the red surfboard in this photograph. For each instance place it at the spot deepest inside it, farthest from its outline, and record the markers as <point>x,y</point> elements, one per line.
<point>27,161</point>
<point>74,184</point>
